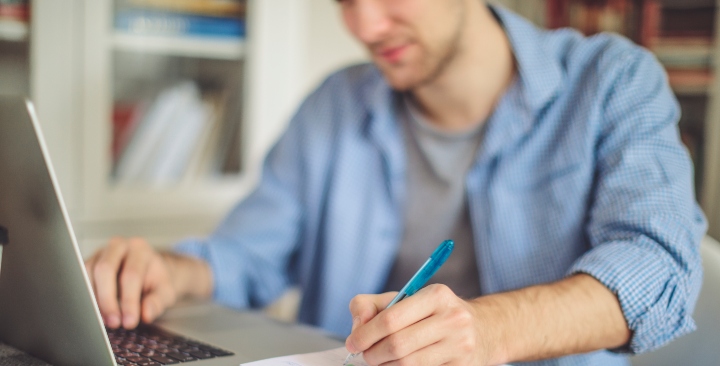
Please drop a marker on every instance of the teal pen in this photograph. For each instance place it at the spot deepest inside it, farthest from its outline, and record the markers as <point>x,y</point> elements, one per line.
<point>436,260</point>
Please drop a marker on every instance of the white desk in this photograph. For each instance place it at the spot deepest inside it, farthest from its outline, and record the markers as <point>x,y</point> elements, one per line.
<point>253,335</point>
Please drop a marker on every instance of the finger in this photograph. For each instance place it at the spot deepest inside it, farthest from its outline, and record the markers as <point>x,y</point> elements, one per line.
<point>154,303</point>
<point>365,307</point>
<point>389,321</point>
<point>105,273</point>
<point>89,265</point>
<point>406,341</point>
<point>439,353</point>
<point>131,281</point>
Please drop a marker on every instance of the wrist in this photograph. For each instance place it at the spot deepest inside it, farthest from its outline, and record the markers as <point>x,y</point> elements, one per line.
<point>493,325</point>
<point>190,277</point>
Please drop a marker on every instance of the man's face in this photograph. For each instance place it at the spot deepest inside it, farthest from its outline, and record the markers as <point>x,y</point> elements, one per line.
<point>411,41</point>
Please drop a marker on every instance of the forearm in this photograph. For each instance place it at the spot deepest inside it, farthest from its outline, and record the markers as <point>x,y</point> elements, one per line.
<point>575,315</point>
<point>191,277</point>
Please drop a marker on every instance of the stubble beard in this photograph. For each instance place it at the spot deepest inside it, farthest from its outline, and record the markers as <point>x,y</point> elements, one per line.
<point>438,65</point>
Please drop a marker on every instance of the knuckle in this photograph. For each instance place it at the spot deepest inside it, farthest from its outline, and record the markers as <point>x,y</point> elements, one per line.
<point>406,361</point>
<point>136,243</point>
<point>439,290</point>
<point>389,320</point>
<point>369,356</point>
<point>102,268</point>
<point>461,317</point>
<point>355,303</point>
<point>396,346</point>
<point>467,344</point>
<point>117,242</point>
<point>129,278</point>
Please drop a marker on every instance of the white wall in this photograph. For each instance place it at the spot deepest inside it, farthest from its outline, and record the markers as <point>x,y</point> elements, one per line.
<point>329,45</point>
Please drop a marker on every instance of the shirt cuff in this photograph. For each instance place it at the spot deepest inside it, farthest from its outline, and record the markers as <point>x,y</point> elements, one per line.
<point>652,290</point>
<point>198,249</point>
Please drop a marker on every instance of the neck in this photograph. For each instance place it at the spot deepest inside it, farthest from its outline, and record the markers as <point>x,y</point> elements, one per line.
<point>465,93</point>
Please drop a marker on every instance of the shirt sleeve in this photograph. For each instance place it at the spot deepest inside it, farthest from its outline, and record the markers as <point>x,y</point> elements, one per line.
<point>250,253</point>
<point>644,225</point>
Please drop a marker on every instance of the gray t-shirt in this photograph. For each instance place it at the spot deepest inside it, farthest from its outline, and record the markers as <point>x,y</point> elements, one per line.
<point>436,207</point>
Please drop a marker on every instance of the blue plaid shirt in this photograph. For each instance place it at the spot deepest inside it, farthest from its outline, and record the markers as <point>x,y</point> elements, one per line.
<point>581,170</point>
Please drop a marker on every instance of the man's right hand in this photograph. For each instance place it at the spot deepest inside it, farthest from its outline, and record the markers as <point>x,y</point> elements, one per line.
<point>133,282</point>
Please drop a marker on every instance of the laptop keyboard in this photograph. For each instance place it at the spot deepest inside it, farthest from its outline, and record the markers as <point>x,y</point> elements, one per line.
<point>148,345</point>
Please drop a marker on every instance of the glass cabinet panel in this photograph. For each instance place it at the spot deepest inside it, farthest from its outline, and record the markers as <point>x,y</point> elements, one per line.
<point>14,47</point>
<point>176,83</point>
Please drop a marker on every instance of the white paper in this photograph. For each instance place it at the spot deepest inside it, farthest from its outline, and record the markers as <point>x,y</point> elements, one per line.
<point>333,357</point>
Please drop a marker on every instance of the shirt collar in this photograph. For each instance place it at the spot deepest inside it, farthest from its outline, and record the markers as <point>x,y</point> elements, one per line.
<point>539,72</point>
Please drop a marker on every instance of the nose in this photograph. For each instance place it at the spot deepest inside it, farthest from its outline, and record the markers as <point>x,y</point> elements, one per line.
<point>367,20</point>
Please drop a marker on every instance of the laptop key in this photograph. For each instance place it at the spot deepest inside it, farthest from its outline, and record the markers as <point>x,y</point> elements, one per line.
<point>137,359</point>
<point>220,353</point>
<point>150,353</point>
<point>133,347</point>
<point>180,356</point>
<point>164,360</point>
<point>201,354</point>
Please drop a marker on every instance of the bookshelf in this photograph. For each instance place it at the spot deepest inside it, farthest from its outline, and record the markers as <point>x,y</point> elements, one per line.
<point>14,20</point>
<point>86,75</point>
<point>13,30</point>
<point>682,35</point>
<point>198,47</point>
<point>14,47</point>
<point>711,187</point>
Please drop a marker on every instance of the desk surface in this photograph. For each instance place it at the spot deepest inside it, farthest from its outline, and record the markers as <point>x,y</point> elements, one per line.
<point>12,357</point>
<point>252,334</point>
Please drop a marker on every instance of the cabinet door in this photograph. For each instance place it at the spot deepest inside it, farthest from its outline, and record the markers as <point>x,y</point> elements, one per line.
<point>180,102</point>
<point>14,47</point>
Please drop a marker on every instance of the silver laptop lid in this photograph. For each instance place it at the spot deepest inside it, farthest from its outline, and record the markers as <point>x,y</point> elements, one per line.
<point>47,307</point>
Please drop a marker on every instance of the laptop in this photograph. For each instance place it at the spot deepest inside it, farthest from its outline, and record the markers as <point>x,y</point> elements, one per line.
<point>47,307</point>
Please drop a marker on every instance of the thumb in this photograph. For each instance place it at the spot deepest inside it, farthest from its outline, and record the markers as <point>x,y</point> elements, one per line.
<point>365,307</point>
<point>155,302</point>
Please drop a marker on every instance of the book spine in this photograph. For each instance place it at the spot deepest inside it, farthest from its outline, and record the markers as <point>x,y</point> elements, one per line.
<point>557,13</point>
<point>18,10</point>
<point>149,23</point>
<point>650,28</point>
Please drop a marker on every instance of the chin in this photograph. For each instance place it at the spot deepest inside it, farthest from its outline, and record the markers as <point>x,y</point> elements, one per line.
<point>401,81</point>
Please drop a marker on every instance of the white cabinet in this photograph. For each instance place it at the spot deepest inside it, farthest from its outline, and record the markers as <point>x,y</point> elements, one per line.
<point>90,73</point>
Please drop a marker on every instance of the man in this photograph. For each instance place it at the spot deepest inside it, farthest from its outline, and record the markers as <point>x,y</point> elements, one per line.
<point>552,160</point>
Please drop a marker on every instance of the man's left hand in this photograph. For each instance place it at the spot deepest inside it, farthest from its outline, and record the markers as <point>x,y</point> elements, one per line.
<point>433,327</point>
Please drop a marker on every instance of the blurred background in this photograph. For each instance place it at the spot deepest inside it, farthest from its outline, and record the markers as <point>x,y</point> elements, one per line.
<point>157,113</point>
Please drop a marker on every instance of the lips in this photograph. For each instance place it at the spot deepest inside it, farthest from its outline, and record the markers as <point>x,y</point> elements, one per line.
<point>393,54</point>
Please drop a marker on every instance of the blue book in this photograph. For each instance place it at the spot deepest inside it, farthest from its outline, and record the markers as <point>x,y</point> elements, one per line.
<point>147,22</point>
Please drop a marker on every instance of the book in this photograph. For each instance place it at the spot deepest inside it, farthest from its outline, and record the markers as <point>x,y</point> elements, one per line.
<point>126,117</point>
<point>136,161</point>
<point>176,147</point>
<point>14,19</point>
<point>591,17</point>
<point>149,22</point>
<point>688,21</point>
<point>684,81</point>
<point>226,8</point>
<point>202,161</point>
<point>15,10</point>
<point>677,20</point>
<point>684,53</point>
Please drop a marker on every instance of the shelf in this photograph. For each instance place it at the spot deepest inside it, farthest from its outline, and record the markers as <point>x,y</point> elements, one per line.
<point>691,90</point>
<point>13,30</point>
<point>202,47</point>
